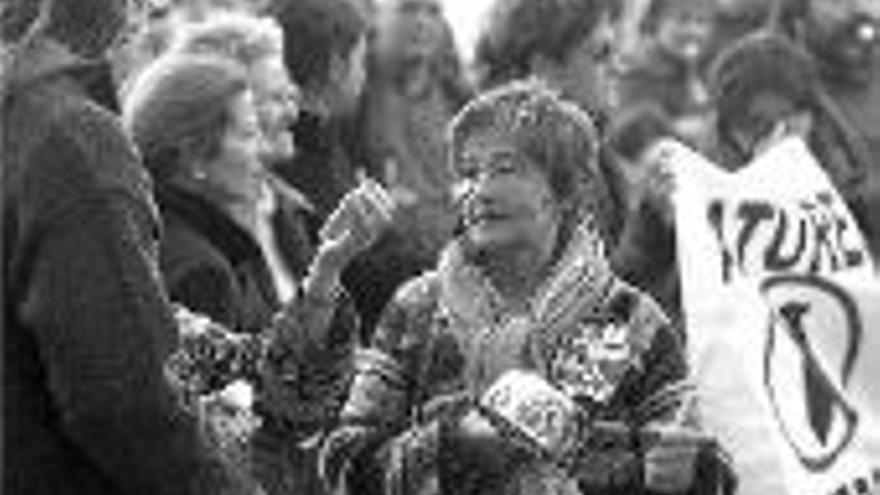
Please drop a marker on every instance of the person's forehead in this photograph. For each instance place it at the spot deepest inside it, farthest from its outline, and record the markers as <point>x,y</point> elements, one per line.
<point>487,145</point>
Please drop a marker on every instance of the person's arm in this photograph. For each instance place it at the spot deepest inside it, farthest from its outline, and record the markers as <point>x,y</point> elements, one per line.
<point>310,345</point>
<point>104,326</point>
<point>380,397</point>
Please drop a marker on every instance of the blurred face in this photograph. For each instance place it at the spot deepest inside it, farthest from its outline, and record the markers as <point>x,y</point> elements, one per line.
<point>277,100</point>
<point>111,22</point>
<point>411,28</point>
<point>847,30</point>
<point>584,73</point>
<point>684,29</point>
<point>236,171</point>
<point>504,199</point>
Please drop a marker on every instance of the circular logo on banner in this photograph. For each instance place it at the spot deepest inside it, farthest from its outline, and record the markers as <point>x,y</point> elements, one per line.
<point>812,344</point>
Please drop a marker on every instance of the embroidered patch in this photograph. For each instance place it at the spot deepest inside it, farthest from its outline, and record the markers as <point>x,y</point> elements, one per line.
<point>590,359</point>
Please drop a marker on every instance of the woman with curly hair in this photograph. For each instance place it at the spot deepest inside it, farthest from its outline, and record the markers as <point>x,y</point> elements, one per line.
<point>523,290</point>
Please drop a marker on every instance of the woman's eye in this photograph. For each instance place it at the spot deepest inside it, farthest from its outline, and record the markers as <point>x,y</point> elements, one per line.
<point>467,170</point>
<point>505,167</point>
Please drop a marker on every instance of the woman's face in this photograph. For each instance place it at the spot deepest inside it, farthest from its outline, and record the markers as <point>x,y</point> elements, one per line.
<point>584,73</point>
<point>411,28</point>
<point>505,201</point>
<point>236,170</point>
<point>684,29</point>
<point>277,101</point>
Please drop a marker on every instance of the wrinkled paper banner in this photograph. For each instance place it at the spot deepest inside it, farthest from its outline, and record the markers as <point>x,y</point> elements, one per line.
<point>782,308</point>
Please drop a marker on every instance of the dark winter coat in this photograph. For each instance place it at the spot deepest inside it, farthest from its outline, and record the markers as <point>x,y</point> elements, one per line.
<point>213,266</point>
<point>87,323</point>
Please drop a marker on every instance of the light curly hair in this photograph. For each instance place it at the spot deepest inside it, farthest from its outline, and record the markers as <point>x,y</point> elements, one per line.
<point>239,36</point>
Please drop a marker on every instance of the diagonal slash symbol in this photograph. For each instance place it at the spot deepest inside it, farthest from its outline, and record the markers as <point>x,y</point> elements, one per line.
<point>822,394</point>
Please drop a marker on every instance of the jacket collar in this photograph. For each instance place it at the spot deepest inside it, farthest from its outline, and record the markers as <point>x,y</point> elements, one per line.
<point>209,221</point>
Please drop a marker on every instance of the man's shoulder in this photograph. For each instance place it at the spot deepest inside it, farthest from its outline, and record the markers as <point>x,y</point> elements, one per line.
<point>78,127</point>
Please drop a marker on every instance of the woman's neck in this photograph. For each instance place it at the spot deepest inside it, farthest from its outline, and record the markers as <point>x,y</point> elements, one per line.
<point>517,273</point>
<point>240,210</point>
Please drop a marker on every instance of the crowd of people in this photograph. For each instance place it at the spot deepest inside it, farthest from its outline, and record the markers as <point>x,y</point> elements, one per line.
<point>289,246</point>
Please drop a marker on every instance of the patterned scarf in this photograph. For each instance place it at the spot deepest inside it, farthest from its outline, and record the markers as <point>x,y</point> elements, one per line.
<point>567,334</point>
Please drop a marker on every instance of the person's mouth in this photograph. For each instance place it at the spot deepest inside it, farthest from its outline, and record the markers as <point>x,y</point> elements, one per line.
<point>487,217</point>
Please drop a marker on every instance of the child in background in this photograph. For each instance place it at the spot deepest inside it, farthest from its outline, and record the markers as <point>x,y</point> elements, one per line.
<point>669,67</point>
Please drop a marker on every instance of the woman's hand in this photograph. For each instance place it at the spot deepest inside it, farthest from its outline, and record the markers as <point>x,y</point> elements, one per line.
<point>361,217</point>
<point>671,463</point>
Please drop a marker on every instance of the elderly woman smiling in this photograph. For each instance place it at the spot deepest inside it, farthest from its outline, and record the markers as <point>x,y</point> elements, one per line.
<point>524,287</point>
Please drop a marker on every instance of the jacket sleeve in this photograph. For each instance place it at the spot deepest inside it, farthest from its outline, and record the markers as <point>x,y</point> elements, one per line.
<point>104,326</point>
<point>305,381</point>
<point>381,394</point>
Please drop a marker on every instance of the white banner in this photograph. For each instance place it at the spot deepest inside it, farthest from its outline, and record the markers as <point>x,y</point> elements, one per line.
<point>782,310</point>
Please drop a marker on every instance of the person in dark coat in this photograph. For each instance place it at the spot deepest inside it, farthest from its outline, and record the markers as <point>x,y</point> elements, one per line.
<point>194,120</point>
<point>88,326</point>
<point>286,222</point>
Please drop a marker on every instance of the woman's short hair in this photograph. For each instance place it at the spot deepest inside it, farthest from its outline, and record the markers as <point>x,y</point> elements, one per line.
<point>555,135</point>
<point>181,101</point>
<point>314,31</point>
<point>240,36</point>
<point>519,30</point>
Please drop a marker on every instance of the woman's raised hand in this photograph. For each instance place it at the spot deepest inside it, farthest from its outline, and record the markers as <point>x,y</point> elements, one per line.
<point>361,217</point>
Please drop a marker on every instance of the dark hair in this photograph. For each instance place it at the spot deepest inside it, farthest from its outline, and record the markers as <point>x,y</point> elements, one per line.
<point>761,63</point>
<point>518,30</point>
<point>634,131</point>
<point>314,31</point>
